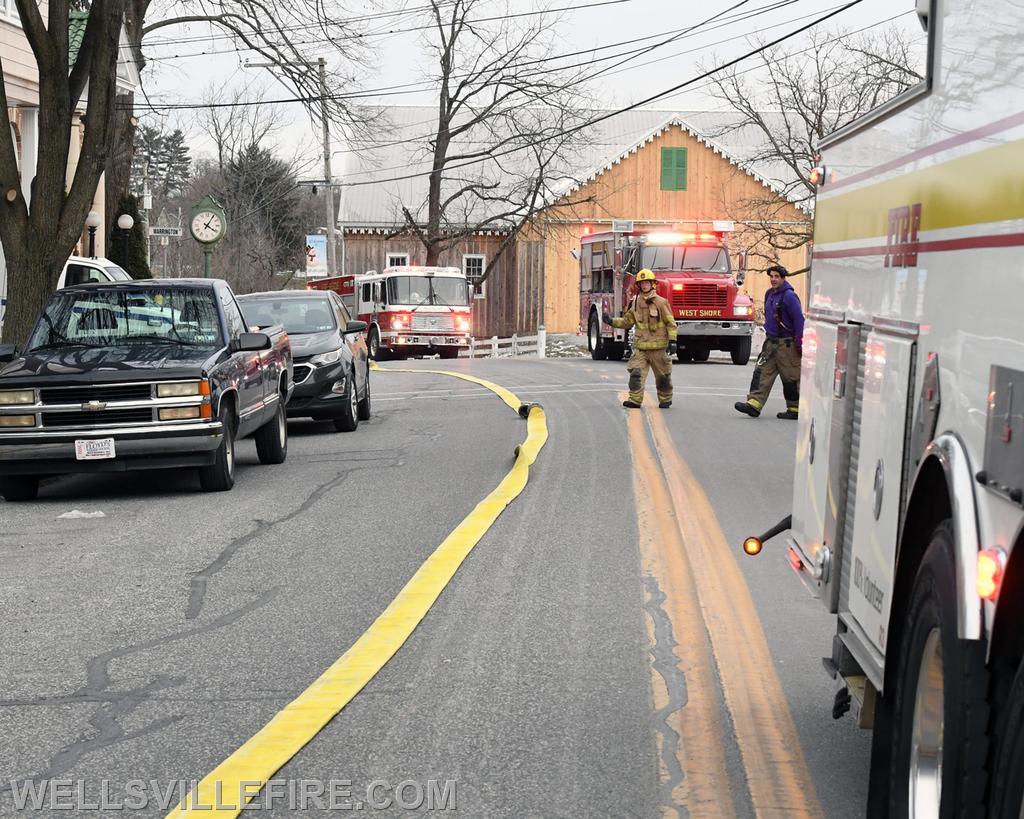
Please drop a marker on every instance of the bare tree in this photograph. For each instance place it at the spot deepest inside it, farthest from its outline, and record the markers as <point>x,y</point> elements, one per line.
<point>795,97</point>
<point>507,128</point>
<point>38,238</point>
<point>234,120</point>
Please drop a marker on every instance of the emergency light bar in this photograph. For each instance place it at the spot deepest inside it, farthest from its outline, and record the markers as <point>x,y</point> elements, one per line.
<point>680,238</point>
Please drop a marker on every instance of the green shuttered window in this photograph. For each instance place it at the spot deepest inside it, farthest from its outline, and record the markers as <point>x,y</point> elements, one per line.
<point>673,169</point>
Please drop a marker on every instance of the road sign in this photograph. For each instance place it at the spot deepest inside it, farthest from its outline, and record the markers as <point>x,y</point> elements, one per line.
<point>622,226</point>
<point>174,232</point>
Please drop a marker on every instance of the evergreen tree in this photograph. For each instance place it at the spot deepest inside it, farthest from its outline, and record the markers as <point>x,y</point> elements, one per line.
<point>176,164</point>
<point>130,254</point>
<point>167,156</point>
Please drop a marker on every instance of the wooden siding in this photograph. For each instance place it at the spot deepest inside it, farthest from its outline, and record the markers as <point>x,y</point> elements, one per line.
<point>631,189</point>
<point>21,76</point>
<point>512,301</point>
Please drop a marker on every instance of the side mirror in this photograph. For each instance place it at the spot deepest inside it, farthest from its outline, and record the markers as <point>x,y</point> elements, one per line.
<point>251,342</point>
<point>355,327</point>
<point>741,271</point>
<point>8,352</point>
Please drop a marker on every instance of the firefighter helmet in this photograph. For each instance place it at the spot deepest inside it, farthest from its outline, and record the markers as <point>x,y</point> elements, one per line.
<point>645,275</point>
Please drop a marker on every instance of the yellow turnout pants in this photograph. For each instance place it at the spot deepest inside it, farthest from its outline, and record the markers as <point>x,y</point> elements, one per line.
<point>639,364</point>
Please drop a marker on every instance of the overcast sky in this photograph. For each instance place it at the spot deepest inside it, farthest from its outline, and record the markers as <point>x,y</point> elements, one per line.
<point>400,57</point>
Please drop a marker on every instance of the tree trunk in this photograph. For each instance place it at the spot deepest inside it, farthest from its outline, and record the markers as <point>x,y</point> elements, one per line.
<point>118,168</point>
<point>29,291</point>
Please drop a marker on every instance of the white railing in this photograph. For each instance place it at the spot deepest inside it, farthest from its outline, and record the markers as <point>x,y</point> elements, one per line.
<point>511,347</point>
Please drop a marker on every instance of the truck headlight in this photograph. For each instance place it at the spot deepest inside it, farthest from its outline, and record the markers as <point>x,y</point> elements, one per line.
<point>9,397</point>
<point>17,420</point>
<point>182,389</point>
<point>178,413</point>
<point>743,310</point>
<point>333,357</point>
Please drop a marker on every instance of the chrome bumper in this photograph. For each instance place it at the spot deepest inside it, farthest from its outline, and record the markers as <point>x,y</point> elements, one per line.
<point>130,442</point>
<point>419,339</point>
<point>726,327</point>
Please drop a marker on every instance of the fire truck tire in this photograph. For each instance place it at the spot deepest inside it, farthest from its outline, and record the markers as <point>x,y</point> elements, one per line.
<point>683,355</point>
<point>615,352</point>
<point>348,420</point>
<point>740,351</point>
<point>1008,770</point>
<point>19,487</point>
<point>940,712</point>
<point>598,349</point>
<point>702,353</point>
<point>373,344</point>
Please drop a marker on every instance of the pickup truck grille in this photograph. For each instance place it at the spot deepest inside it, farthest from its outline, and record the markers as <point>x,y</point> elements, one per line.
<point>700,297</point>
<point>84,394</point>
<point>441,322</point>
<point>84,418</point>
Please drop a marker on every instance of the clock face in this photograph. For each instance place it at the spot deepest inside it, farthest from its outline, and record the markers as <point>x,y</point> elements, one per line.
<point>207,226</point>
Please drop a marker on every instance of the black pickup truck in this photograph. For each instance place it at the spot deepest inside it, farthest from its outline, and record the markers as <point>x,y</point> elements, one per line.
<point>141,375</point>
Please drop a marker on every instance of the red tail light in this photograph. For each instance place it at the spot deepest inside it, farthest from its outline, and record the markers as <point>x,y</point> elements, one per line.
<point>794,559</point>
<point>991,565</point>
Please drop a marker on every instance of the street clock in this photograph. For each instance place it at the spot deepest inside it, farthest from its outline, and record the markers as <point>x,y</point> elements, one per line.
<point>208,223</point>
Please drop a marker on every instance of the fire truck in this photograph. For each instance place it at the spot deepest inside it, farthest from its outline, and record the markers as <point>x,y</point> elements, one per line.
<point>908,505</point>
<point>408,310</point>
<point>693,273</point>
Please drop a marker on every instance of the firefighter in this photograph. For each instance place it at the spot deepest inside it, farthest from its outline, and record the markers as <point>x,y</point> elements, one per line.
<point>651,315</point>
<point>780,355</point>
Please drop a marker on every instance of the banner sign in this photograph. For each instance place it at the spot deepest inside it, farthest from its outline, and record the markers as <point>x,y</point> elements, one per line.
<point>316,256</point>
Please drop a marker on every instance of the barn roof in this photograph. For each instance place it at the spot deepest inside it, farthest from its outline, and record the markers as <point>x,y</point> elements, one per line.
<point>400,150</point>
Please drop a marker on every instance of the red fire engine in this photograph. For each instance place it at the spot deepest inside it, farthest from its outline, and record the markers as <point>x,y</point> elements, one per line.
<point>693,274</point>
<point>408,310</point>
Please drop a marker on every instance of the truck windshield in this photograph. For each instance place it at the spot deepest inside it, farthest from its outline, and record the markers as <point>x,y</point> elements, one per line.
<point>298,316</point>
<point>102,318</point>
<point>416,290</point>
<point>669,257</point>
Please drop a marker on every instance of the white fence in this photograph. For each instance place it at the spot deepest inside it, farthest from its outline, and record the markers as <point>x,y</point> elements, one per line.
<point>511,347</point>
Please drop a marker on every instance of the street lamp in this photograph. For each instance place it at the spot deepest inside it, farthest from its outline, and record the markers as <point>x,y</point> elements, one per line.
<point>125,223</point>
<point>92,221</point>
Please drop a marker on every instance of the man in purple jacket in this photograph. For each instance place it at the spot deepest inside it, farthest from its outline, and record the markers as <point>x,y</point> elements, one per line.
<point>780,355</point>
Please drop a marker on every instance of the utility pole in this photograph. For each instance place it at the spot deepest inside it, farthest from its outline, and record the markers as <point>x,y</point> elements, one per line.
<point>332,260</point>
<point>329,214</point>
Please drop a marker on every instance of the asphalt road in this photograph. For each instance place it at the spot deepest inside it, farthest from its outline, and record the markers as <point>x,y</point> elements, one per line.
<point>150,643</point>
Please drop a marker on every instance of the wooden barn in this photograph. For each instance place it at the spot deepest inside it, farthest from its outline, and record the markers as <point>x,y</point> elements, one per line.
<point>655,168</point>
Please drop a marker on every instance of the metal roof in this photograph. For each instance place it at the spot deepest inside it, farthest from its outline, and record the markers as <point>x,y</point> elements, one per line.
<point>401,149</point>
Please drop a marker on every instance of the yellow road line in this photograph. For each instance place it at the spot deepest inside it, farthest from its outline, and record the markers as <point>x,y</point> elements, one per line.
<point>256,761</point>
<point>779,781</point>
<point>704,789</point>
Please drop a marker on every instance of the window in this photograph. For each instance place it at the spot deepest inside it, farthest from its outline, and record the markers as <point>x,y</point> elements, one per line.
<point>298,316</point>
<point>673,169</point>
<point>473,265</point>
<point>367,295</point>
<point>398,260</point>
<point>236,324</point>
<point>343,314</point>
<point>80,274</point>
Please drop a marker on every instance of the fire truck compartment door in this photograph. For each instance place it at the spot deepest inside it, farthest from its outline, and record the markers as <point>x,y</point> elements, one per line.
<point>810,489</point>
<point>887,375</point>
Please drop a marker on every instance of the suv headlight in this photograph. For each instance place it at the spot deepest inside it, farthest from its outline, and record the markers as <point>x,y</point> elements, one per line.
<point>10,397</point>
<point>333,357</point>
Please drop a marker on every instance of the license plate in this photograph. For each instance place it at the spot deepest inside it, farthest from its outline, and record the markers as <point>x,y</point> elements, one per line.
<point>94,449</point>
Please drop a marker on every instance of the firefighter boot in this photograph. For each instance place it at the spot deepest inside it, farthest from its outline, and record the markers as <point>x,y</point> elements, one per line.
<point>664,404</point>
<point>747,409</point>
<point>788,415</point>
<point>630,404</point>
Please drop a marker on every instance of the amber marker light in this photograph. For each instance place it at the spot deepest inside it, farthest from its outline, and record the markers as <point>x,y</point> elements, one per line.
<point>991,563</point>
<point>752,545</point>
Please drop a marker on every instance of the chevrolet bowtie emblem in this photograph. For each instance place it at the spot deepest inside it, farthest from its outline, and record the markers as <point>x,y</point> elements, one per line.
<point>94,406</point>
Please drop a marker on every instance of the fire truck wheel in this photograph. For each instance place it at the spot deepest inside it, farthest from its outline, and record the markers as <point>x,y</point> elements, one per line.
<point>1008,771</point>
<point>373,344</point>
<point>19,487</point>
<point>702,353</point>
<point>740,351</point>
<point>598,349</point>
<point>683,355</point>
<point>615,352</point>
<point>940,713</point>
<point>349,418</point>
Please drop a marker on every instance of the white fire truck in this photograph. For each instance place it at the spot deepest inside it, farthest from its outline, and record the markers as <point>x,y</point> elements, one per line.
<point>409,310</point>
<point>693,274</point>
<point>907,516</point>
